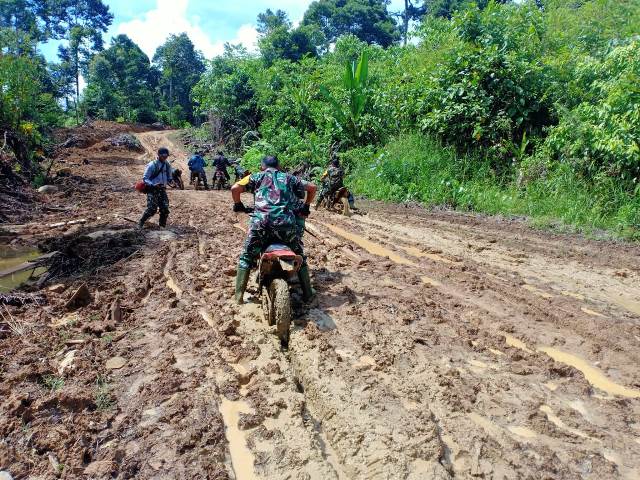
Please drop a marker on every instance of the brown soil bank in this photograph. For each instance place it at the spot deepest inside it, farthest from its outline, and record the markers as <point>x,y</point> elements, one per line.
<point>441,346</point>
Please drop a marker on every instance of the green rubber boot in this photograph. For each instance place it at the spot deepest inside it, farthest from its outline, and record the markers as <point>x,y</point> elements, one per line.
<point>305,282</point>
<point>242,278</point>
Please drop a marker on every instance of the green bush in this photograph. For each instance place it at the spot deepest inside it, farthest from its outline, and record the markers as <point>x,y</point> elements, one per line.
<point>602,134</point>
<point>417,168</point>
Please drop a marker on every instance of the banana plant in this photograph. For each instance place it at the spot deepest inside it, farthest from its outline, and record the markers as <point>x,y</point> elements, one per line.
<point>355,83</point>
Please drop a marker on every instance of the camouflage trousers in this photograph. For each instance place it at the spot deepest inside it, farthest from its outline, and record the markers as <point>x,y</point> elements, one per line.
<point>300,227</point>
<point>157,199</point>
<point>260,238</point>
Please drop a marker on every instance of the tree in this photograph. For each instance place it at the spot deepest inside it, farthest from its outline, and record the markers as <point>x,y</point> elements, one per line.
<point>25,104</point>
<point>24,24</point>
<point>226,91</point>
<point>279,41</point>
<point>368,20</point>
<point>81,23</point>
<point>268,21</point>
<point>181,66</point>
<point>410,12</point>
<point>446,8</point>
<point>121,83</point>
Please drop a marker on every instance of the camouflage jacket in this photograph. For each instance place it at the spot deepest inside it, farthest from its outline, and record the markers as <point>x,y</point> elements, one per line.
<point>335,177</point>
<point>277,197</point>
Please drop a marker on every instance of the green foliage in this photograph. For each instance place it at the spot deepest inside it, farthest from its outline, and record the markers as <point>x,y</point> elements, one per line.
<point>103,399</point>
<point>602,133</point>
<point>417,168</point>
<point>289,44</point>
<point>121,84</point>
<point>368,20</point>
<point>52,382</point>
<point>181,66</point>
<point>447,8</point>
<point>355,82</point>
<point>25,106</point>
<point>252,158</point>
<point>226,91</point>
<point>490,88</point>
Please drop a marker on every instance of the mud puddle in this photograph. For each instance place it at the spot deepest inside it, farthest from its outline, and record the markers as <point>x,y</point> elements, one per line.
<point>369,246</point>
<point>242,460</point>
<point>593,375</point>
<point>11,261</point>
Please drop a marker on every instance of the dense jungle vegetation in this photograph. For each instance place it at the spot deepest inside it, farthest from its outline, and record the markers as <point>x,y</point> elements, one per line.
<point>528,108</point>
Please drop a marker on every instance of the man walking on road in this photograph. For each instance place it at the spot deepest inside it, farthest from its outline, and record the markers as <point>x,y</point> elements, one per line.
<point>156,176</point>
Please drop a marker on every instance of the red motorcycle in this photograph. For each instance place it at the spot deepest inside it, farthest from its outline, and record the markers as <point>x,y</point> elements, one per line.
<point>219,180</point>
<point>277,265</point>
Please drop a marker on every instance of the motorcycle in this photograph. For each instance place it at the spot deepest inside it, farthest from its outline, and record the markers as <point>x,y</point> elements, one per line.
<point>336,202</point>
<point>176,179</point>
<point>196,180</point>
<point>277,265</point>
<point>219,180</point>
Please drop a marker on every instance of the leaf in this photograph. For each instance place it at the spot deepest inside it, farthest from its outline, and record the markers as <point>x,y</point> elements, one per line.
<point>362,72</point>
<point>340,116</point>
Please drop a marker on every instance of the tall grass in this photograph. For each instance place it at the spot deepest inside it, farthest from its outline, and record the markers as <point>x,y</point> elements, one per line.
<point>417,168</point>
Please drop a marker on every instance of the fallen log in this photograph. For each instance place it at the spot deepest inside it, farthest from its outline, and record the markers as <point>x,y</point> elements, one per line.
<point>66,224</point>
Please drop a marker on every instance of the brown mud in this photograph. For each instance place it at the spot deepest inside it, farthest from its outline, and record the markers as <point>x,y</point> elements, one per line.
<point>441,346</point>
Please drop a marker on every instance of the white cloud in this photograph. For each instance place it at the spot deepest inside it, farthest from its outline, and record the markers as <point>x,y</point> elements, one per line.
<point>170,17</point>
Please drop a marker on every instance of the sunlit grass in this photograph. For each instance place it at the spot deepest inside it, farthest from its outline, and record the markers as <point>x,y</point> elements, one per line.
<point>416,168</point>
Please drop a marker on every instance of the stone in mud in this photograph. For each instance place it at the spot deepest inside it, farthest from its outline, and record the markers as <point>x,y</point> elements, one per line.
<point>115,363</point>
<point>99,469</point>
<point>74,399</point>
<point>57,288</point>
<point>116,311</point>
<point>272,367</point>
<point>47,189</point>
<point>66,362</point>
<point>98,328</point>
<point>249,420</point>
<point>80,298</point>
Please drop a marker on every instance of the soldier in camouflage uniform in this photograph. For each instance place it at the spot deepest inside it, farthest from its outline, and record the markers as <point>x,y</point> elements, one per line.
<point>277,200</point>
<point>332,180</point>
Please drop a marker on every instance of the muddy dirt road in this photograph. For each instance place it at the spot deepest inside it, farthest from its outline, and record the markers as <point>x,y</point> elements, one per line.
<point>441,346</point>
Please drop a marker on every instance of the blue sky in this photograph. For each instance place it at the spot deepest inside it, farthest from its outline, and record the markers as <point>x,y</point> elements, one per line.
<point>209,23</point>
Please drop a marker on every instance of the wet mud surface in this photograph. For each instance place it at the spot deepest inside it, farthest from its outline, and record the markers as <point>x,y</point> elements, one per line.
<point>440,346</point>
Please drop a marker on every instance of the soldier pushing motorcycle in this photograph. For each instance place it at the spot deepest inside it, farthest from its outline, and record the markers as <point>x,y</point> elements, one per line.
<point>278,203</point>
